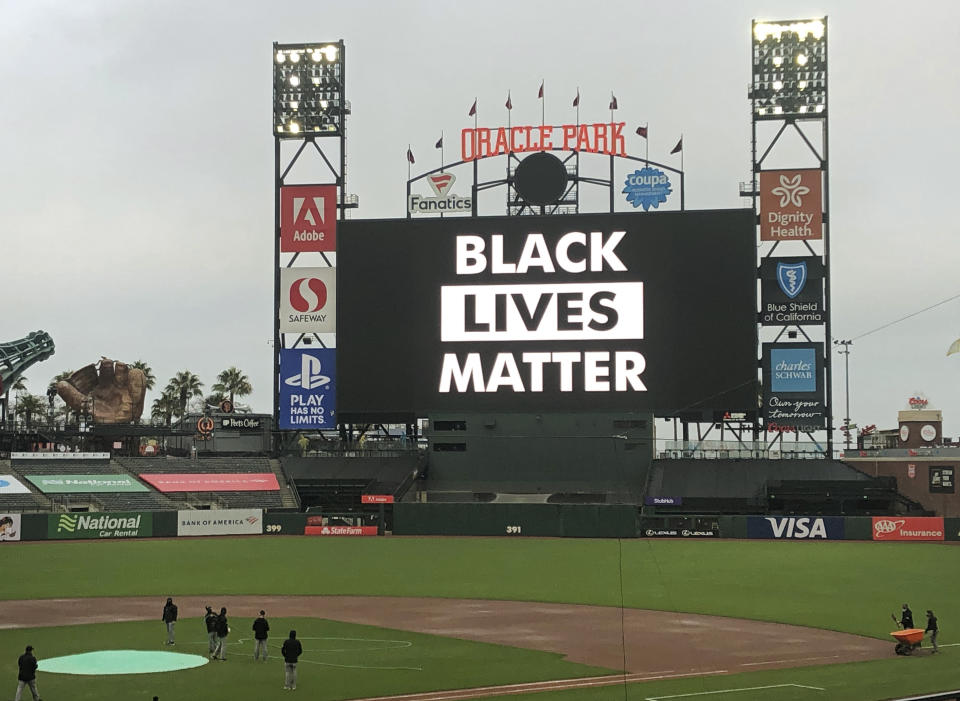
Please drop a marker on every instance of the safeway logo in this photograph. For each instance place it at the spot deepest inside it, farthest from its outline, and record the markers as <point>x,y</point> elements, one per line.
<point>308,218</point>
<point>441,183</point>
<point>308,294</point>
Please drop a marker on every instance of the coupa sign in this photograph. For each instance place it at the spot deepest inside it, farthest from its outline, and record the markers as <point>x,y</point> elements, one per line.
<point>795,527</point>
<point>647,187</point>
<point>96,525</point>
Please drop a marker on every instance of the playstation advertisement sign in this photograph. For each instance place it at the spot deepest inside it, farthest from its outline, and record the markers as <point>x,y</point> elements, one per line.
<point>791,291</point>
<point>308,389</point>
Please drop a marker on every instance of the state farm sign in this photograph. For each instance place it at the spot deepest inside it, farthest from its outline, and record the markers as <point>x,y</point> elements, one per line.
<point>791,205</point>
<point>907,528</point>
<point>340,530</point>
<point>308,218</point>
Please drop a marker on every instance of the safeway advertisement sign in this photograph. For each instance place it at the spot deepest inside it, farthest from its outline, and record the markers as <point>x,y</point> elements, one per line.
<point>907,528</point>
<point>791,205</point>
<point>308,218</point>
<point>308,300</point>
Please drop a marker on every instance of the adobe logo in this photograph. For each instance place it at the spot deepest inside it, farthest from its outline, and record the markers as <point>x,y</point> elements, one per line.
<point>308,218</point>
<point>308,294</point>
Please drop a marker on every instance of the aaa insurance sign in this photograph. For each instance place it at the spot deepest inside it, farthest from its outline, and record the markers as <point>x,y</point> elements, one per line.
<point>308,300</point>
<point>308,218</point>
<point>791,205</point>
<point>308,388</point>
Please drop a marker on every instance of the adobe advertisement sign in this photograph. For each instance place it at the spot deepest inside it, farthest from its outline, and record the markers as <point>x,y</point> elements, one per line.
<point>907,528</point>
<point>308,388</point>
<point>220,522</point>
<point>308,218</point>
<point>131,524</point>
<point>213,482</point>
<point>791,205</point>
<point>9,528</point>
<point>11,485</point>
<point>791,291</point>
<point>308,300</point>
<point>795,528</point>
<point>75,484</point>
<point>598,311</point>
<point>793,396</point>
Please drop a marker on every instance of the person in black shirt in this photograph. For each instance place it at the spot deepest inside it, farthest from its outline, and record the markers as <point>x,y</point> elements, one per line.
<point>932,629</point>
<point>223,630</point>
<point>291,650</point>
<point>170,618</point>
<point>210,624</point>
<point>28,674</point>
<point>260,628</point>
<point>906,618</point>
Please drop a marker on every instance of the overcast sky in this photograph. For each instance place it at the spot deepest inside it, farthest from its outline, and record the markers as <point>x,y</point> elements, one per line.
<point>136,192</point>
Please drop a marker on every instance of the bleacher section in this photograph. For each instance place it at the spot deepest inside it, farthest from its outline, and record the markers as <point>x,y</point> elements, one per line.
<point>337,483</point>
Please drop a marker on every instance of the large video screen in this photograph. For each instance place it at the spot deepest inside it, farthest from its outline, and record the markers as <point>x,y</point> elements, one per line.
<point>640,312</point>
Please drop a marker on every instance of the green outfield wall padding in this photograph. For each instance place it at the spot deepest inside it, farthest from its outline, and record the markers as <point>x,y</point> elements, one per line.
<point>951,528</point>
<point>165,524</point>
<point>732,526</point>
<point>858,528</point>
<point>33,527</point>
<point>284,523</point>
<point>552,520</point>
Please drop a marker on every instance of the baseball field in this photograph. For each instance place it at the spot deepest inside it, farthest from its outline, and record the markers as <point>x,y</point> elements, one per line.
<point>451,618</point>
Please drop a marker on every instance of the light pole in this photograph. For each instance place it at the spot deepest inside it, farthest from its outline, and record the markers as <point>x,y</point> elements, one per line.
<point>845,351</point>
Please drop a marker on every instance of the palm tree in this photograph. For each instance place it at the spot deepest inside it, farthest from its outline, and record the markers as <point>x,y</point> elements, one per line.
<point>52,389</point>
<point>233,383</point>
<point>164,407</point>
<point>182,387</point>
<point>215,399</point>
<point>148,375</point>
<point>29,405</point>
<point>20,385</point>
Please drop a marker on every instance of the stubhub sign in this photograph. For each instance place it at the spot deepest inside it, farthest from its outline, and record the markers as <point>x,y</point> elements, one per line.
<point>795,527</point>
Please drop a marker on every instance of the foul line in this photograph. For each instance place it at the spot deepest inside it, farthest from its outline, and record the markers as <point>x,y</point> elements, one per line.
<point>731,691</point>
<point>795,659</point>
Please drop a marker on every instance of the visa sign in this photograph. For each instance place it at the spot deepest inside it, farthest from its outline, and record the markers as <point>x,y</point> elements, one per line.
<point>795,527</point>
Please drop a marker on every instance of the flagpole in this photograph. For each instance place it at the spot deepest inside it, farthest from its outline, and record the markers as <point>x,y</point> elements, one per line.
<point>681,152</point>
<point>647,140</point>
<point>509,102</point>
<point>408,162</point>
<point>441,151</point>
<point>543,106</point>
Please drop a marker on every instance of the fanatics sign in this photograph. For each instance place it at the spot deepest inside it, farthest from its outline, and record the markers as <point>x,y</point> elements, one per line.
<point>308,218</point>
<point>308,300</point>
<point>791,205</point>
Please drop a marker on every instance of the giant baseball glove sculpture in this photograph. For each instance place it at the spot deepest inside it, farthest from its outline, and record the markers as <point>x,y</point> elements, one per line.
<point>114,395</point>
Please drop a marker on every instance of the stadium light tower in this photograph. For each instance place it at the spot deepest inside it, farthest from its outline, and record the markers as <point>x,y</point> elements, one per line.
<point>308,90</point>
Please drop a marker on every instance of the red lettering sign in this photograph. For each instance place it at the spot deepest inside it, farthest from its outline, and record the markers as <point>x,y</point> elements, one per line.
<point>340,530</point>
<point>907,528</point>
<point>603,137</point>
<point>308,218</point>
<point>376,498</point>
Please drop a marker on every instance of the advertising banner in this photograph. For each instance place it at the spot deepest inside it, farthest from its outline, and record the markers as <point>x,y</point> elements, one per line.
<point>791,205</point>
<point>129,524</point>
<point>308,218</point>
<point>240,423</point>
<point>9,528</point>
<point>59,456</point>
<point>308,300</point>
<point>791,291</point>
<point>941,479</point>
<point>647,187</point>
<point>220,522</point>
<point>77,484</point>
<point>908,528</point>
<point>444,199</point>
<point>11,485</point>
<point>662,501</point>
<point>213,482</point>
<point>793,396</point>
<point>376,498</point>
<point>795,527</point>
<point>681,533</point>
<point>340,530</point>
<point>545,313</point>
<point>308,388</point>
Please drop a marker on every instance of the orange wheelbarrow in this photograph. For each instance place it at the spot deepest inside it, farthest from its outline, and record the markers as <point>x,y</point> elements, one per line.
<point>907,640</point>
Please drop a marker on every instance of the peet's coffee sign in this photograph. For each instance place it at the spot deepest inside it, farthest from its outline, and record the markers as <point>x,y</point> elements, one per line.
<point>604,138</point>
<point>247,423</point>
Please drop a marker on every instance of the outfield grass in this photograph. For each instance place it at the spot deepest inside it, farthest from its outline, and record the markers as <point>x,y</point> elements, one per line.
<point>846,586</point>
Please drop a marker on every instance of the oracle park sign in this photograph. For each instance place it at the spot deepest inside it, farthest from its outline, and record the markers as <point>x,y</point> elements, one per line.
<point>641,312</point>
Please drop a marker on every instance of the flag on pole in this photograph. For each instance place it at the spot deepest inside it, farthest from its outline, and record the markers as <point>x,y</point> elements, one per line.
<point>410,158</point>
<point>576,100</point>
<point>439,143</point>
<point>509,102</point>
<point>473,109</point>
<point>642,131</point>
<point>540,92</point>
<point>613,101</point>
<point>679,147</point>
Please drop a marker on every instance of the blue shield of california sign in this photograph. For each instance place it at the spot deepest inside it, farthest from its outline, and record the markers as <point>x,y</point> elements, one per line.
<point>791,277</point>
<point>647,187</point>
<point>308,388</point>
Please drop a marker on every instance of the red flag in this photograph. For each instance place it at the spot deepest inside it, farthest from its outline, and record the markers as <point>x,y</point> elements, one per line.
<point>576,100</point>
<point>613,101</point>
<point>439,143</point>
<point>509,102</point>
<point>679,147</point>
<point>473,109</point>
<point>642,131</point>
<point>540,92</point>
<point>410,158</point>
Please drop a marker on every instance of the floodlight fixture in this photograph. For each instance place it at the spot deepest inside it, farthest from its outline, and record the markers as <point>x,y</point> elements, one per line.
<point>789,69</point>
<point>308,90</point>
